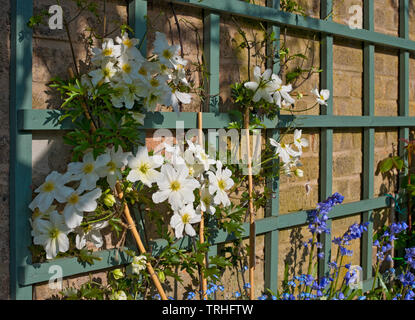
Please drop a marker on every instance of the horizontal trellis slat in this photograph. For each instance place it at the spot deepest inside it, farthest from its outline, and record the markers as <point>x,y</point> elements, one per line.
<point>40,120</point>
<point>70,266</point>
<point>271,15</point>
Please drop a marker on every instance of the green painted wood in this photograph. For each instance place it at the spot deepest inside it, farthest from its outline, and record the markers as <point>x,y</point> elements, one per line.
<point>46,120</point>
<point>270,15</point>
<point>211,50</point>
<point>340,211</point>
<point>20,145</point>
<point>369,149</point>
<point>137,19</point>
<point>271,238</point>
<point>403,94</point>
<point>30,274</point>
<point>326,136</point>
<point>39,272</point>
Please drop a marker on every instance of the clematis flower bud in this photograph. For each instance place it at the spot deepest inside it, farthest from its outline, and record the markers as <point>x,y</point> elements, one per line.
<point>118,274</point>
<point>109,200</point>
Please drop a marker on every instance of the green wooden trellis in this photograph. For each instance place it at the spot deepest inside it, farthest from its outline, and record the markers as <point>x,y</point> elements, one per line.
<point>24,120</point>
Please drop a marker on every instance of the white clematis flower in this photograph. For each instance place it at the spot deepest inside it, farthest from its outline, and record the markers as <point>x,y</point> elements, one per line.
<point>118,295</point>
<point>87,170</point>
<point>128,47</point>
<point>107,52</point>
<point>219,183</point>
<point>77,204</point>
<point>105,73</point>
<point>281,94</point>
<point>40,215</point>
<point>183,219</point>
<point>143,167</point>
<point>322,96</point>
<point>53,188</point>
<point>119,97</point>
<point>91,234</point>
<point>206,202</point>
<point>52,235</point>
<point>175,97</point>
<point>112,170</point>
<point>200,155</point>
<point>176,186</point>
<point>174,154</point>
<point>263,86</point>
<point>128,69</point>
<point>298,141</point>
<point>284,151</point>
<point>164,51</point>
<point>139,263</point>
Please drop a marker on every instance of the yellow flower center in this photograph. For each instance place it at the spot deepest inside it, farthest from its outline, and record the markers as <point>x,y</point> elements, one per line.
<point>142,71</point>
<point>106,72</point>
<point>54,233</point>
<point>222,184</point>
<point>48,186</point>
<point>167,54</point>
<point>144,168</point>
<point>128,43</point>
<point>107,52</point>
<point>180,66</point>
<point>186,218</point>
<point>206,200</point>
<point>152,99</point>
<point>126,68</point>
<point>321,97</point>
<point>283,146</point>
<point>73,199</point>
<point>154,82</point>
<point>36,213</point>
<point>111,166</point>
<point>191,171</point>
<point>175,185</point>
<point>163,67</point>
<point>88,168</point>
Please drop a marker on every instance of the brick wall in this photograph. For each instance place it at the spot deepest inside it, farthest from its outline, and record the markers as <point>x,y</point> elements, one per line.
<point>51,57</point>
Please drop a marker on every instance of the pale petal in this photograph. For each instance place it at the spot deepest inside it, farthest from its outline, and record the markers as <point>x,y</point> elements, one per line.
<point>189,230</point>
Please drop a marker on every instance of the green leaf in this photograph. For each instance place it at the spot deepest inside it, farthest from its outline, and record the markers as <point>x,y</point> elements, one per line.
<point>386,165</point>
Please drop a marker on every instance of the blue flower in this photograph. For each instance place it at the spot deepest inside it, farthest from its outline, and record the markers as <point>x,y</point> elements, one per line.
<point>237,294</point>
<point>410,256</point>
<point>191,295</point>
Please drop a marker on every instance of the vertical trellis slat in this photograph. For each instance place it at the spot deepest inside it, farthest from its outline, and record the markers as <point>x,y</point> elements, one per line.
<point>403,77</point>
<point>271,238</point>
<point>211,53</point>
<point>20,145</point>
<point>326,137</point>
<point>368,148</point>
